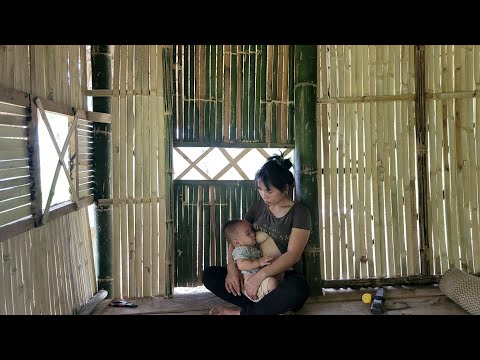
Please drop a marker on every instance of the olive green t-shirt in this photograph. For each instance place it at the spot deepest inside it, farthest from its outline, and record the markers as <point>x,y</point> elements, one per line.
<point>280,228</point>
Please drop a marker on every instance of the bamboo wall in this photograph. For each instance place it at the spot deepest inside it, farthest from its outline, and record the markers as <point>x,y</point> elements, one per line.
<point>142,172</point>
<point>452,102</point>
<point>368,150</point>
<point>366,110</point>
<point>201,209</point>
<point>48,269</point>
<point>54,72</point>
<point>233,94</point>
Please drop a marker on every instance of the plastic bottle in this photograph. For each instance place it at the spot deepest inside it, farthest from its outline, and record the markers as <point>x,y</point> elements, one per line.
<point>378,303</point>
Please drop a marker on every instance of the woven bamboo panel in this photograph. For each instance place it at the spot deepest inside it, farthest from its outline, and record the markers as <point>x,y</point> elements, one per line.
<point>141,230</point>
<point>48,270</point>
<point>233,94</point>
<point>201,208</point>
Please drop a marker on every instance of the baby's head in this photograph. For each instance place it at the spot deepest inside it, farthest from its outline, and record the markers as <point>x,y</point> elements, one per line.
<point>239,232</point>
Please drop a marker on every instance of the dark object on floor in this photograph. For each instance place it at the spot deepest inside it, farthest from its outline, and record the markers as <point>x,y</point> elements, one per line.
<point>122,303</point>
<point>92,303</point>
<point>378,303</point>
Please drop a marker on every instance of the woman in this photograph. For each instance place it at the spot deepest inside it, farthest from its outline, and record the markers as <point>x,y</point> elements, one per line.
<point>288,223</point>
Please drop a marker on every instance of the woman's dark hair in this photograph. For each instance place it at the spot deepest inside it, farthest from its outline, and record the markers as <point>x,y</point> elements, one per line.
<point>275,172</point>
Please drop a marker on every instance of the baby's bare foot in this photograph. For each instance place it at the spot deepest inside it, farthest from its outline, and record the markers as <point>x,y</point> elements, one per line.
<point>220,310</point>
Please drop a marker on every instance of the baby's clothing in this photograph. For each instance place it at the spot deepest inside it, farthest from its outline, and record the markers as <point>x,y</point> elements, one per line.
<point>249,253</point>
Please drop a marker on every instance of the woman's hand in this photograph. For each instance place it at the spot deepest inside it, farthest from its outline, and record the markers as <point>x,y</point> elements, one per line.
<point>234,280</point>
<point>252,284</point>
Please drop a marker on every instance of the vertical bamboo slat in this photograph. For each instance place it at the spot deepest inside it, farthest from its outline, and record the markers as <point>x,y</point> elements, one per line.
<point>155,51</point>
<point>342,260</point>
<point>117,285</point>
<point>146,123</point>
<point>349,128</point>
<point>122,128</point>
<point>163,142</point>
<point>130,171</point>
<point>472,183</point>
<point>476,237</point>
<point>139,170</point>
<point>326,166</point>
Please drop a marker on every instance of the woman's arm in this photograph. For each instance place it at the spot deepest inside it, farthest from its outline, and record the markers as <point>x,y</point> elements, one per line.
<point>296,244</point>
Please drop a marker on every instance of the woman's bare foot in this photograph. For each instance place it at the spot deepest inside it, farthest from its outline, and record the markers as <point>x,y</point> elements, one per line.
<point>220,310</point>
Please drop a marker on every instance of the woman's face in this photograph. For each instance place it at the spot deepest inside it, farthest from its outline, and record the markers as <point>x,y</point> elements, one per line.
<point>272,196</point>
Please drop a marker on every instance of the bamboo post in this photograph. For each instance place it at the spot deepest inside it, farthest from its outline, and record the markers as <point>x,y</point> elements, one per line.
<point>101,79</point>
<point>123,168</point>
<point>155,51</point>
<point>421,133</point>
<point>138,171</point>
<point>305,155</point>
<point>117,287</point>
<point>130,173</point>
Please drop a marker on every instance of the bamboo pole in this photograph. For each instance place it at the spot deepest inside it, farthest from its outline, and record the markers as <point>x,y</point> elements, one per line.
<point>440,191</point>
<point>227,93</point>
<point>155,85</point>
<point>326,165</point>
<point>146,124</point>
<point>433,203</point>
<point>219,95</point>
<point>180,81</point>
<point>130,172</point>
<point>101,79</point>
<point>476,64</point>
<point>334,165</point>
<point>349,127</point>
<point>373,116</point>
<point>421,159</point>
<point>139,170</point>
<point>472,182</point>
<point>354,112</point>
<point>268,99</point>
<point>342,260</point>
<point>398,189</point>
<point>122,171</point>
<point>305,157</point>
<point>117,283</point>
<point>368,164</point>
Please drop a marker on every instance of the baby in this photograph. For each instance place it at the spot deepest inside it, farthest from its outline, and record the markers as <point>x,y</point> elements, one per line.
<point>247,255</point>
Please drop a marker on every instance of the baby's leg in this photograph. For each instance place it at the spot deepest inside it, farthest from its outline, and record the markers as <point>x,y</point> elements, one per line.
<point>272,284</point>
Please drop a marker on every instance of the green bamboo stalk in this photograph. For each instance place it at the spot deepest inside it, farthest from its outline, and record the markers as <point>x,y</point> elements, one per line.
<point>192,239</point>
<point>175,90</point>
<point>251,93</point>
<point>101,79</point>
<point>273,125</point>
<point>186,91</point>
<point>192,119</point>
<point>291,107</point>
<point>262,116</point>
<point>306,155</point>
<point>421,132</point>
<point>218,225</point>
<point>208,91</point>
<point>219,97</point>
<point>245,114</point>
<point>213,97</point>
<point>233,97</point>
<point>206,226</point>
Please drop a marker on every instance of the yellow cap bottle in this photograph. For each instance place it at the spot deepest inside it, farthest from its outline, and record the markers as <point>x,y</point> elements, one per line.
<point>367,298</point>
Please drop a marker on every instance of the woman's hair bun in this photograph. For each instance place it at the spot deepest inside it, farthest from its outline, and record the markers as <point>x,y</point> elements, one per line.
<point>281,161</point>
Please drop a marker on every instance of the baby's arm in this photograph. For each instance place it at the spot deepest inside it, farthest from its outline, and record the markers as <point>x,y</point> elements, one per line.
<point>252,264</point>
